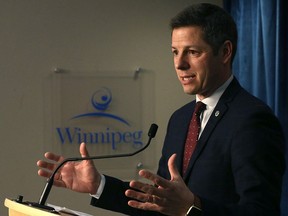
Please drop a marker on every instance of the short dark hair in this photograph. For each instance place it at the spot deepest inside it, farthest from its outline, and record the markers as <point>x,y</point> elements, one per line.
<point>217,25</point>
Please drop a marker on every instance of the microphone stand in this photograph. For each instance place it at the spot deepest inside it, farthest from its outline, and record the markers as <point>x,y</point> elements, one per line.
<point>50,181</point>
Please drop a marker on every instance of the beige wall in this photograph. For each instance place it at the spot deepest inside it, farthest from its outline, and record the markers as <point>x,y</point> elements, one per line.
<point>39,35</point>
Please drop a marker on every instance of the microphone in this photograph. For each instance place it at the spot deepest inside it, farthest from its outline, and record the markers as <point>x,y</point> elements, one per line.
<point>152,132</point>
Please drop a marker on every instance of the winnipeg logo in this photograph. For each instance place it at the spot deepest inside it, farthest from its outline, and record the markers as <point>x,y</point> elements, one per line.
<point>101,100</point>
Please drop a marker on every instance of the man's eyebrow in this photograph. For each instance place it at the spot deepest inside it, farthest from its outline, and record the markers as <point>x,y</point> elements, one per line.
<point>188,47</point>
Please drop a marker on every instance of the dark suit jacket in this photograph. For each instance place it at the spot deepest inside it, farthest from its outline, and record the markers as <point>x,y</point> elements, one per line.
<point>237,166</point>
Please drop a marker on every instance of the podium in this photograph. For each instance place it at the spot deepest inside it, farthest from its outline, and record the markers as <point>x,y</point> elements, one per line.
<point>19,209</point>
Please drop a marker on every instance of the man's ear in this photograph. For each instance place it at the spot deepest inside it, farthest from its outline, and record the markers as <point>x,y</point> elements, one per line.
<point>226,51</point>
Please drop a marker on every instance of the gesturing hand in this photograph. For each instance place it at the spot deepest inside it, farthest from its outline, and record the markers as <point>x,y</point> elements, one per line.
<point>171,197</point>
<point>77,176</point>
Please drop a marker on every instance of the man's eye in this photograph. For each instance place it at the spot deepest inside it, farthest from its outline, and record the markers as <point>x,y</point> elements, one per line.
<point>174,52</point>
<point>193,52</point>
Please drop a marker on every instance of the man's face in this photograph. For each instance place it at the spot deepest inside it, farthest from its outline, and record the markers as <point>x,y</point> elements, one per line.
<point>197,68</point>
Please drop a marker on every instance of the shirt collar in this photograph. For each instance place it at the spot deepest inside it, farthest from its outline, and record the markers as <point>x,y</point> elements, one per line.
<point>213,99</point>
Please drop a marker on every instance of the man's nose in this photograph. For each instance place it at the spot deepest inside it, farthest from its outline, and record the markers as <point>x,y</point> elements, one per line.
<point>181,62</point>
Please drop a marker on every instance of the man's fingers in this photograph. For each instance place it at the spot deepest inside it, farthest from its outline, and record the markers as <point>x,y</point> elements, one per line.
<point>143,205</point>
<point>83,150</point>
<point>164,183</point>
<point>53,157</point>
<point>149,189</point>
<point>44,173</point>
<point>146,193</point>
<point>45,165</point>
<point>143,197</point>
<point>157,180</point>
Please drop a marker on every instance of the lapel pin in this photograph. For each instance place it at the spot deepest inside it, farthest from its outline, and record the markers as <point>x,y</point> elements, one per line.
<point>217,113</point>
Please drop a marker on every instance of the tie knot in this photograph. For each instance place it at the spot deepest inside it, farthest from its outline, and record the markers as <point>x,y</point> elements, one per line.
<point>199,108</point>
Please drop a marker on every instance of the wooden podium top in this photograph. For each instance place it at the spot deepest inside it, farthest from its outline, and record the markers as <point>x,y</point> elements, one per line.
<point>18,209</point>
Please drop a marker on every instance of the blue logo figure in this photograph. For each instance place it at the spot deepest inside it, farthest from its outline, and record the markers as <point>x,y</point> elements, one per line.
<point>100,101</point>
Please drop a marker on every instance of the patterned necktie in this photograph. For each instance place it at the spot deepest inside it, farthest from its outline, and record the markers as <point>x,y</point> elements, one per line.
<point>192,135</point>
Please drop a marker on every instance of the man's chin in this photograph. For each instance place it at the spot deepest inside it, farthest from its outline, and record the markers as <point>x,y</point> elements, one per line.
<point>189,91</point>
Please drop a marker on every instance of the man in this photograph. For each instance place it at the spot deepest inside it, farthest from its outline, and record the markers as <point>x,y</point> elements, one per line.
<point>238,163</point>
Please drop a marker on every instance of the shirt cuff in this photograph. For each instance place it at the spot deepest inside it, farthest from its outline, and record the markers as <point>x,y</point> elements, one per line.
<point>100,188</point>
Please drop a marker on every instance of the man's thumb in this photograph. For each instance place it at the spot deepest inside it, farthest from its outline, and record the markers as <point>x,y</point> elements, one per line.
<point>173,168</point>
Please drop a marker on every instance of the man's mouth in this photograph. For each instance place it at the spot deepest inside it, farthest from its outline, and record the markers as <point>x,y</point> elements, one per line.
<point>187,78</point>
